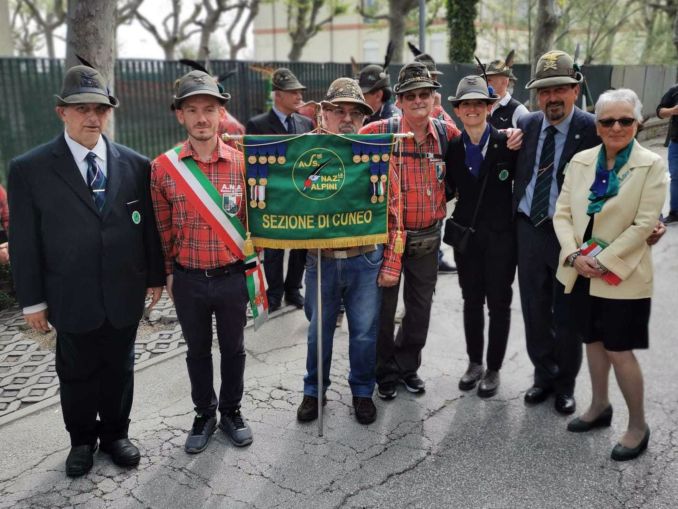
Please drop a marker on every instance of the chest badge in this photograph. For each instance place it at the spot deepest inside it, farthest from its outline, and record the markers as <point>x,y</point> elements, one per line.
<point>136,217</point>
<point>503,175</point>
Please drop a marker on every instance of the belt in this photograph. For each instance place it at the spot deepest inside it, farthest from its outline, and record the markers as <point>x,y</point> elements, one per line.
<point>429,229</point>
<point>234,268</point>
<point>340,254</point>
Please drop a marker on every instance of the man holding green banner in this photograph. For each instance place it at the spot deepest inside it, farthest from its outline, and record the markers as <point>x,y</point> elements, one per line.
<point>349,275</point>
<point>198,195</point>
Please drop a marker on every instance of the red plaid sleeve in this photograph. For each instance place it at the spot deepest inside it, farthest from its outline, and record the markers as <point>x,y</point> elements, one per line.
<point>392,263</point>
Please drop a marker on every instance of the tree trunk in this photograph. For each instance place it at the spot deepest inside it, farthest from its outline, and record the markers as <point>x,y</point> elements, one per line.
<point>547,24</point>
<point>396,30</point>
<point>49,42</point>
<point>6,47</point>
<point>90,34</point>
<point>169,48</point>
<point>675,30</point>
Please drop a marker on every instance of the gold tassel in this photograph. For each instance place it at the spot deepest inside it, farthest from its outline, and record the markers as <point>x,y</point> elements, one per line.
<point>399,248</point>
<point>248,247</point>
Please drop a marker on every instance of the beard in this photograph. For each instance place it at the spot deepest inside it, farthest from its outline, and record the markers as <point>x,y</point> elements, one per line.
<point>554,110</point>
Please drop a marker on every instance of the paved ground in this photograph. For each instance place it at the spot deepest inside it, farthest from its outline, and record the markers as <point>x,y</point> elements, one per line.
<point>443,449</point>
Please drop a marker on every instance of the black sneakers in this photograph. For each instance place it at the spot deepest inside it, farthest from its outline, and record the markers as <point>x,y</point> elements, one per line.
<point>365,411</point>
<point>234,425</point>
<point>199,436</point>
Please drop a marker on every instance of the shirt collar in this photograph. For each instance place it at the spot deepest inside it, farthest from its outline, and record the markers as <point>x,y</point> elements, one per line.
<point>218,153</point>
<point>405,127</point>
<point>80,151</point>
<point>281,116</point>
<point>563,127</point>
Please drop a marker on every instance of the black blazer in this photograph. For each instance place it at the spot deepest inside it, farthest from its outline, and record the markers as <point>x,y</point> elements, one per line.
<point>88,266</point>
<point>499,166</point>
<point>581,135</point>
<point>269,123</point>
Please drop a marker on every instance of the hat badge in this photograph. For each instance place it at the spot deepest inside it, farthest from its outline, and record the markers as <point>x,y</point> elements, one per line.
<point>199,79</point>
<point>88,80</point>
<point>551,61</point>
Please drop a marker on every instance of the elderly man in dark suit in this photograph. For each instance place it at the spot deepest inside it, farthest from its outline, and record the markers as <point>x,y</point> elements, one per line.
<point>551,137</point>
<point>85,250</point>
<point>283,119</point>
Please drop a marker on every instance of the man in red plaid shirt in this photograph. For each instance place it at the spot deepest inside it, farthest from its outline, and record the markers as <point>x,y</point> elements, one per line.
<point>204,277</point>
<point>422,180</point>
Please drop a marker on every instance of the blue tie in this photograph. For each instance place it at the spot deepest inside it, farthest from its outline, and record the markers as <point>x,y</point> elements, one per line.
<point>96,181</point>
<point>290,124</point>
<point>539,212</point>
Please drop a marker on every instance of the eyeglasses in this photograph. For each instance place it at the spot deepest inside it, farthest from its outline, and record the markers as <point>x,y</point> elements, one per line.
<point>354,114</point>
<point>624,122</point>
<point>411,96</point>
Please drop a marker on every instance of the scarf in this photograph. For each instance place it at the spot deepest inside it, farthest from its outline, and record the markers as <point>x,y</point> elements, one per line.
<point>606,183</point>
<point>474,153</point>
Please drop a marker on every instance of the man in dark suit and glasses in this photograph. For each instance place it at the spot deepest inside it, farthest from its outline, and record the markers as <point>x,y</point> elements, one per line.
<point>551,137</point>
<point>85,250</point>
<point>283,119</point>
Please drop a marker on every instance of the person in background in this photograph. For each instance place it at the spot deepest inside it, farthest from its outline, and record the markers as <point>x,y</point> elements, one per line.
<point>668,108</point>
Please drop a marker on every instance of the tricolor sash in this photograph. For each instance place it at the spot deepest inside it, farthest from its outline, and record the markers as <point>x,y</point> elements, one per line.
<point>201,193</point>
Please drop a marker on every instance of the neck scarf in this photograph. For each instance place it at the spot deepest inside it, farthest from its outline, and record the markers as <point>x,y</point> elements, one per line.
<point>474,153</point>
<point>606,183</point>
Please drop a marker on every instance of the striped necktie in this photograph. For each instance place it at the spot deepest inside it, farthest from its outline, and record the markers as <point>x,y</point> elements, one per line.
<point>96,181</point>
<point>290,124</point>
<point>539,211</point>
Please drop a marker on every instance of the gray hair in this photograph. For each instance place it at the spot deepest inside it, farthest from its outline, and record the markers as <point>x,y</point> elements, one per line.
<point>621,95</point>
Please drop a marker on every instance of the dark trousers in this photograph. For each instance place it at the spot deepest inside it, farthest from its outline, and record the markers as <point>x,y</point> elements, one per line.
<point>552,344</point>
<point>273,267</point>
<point>486,272</point>
<point>197,298</point>
<point>402,357</point>
<point>96,378</point>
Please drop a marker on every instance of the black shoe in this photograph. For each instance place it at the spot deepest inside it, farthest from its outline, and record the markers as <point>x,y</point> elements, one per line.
<point>199,436</point>
<point>565,404</point>
<point>489,384</point>
<point>365,411</point>
<point>536,394</point>
<point>273,306</point>
<point>621,453</point>
<point>446,268</point>
<point>234,425</point>
<point>123,452</point>
<point>672,217</point>
<point>387,390</point>
<point>308,409</point>
<point>80,460</point>
<point>602,421</point>
<point>413,383</point>
<point>295,298</point>
<point>470,379</point>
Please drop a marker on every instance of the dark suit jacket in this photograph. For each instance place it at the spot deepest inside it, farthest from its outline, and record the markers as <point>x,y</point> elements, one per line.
<point>499,166</point>
<point>581,135</point>
<point>88,266</point>
<point>269,123</point>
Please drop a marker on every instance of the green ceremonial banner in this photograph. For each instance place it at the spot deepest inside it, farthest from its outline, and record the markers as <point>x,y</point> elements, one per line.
<point>318,190</point>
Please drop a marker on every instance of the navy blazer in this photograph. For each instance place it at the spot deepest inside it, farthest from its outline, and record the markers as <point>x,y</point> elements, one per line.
<point>581,136</point>
<point>87,265</point>
<point>499,166</point>
<point>269,123</point>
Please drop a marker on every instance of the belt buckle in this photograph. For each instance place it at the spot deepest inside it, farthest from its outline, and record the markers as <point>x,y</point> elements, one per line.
<point>340,255</point>
<point>207,273</point>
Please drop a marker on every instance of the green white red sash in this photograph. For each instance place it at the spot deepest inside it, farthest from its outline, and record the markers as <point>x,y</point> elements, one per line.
<point>202,194</point>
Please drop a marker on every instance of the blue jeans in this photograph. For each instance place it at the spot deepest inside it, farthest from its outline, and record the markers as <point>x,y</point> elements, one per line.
<point>352,281</point>
<point>673,171</point>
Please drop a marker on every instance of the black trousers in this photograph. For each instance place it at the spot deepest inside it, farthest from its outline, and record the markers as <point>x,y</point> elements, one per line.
<point>552,342</point>
<point>402,356</point>
<point>96,378</point>
<point>273,267</point>
<point>197,298</point>
<point>486,272</point>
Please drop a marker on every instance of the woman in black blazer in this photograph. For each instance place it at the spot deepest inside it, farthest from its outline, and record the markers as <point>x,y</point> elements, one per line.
<point>487,265</point>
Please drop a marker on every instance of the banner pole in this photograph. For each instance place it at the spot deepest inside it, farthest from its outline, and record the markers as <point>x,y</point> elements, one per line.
<point>319,346</point>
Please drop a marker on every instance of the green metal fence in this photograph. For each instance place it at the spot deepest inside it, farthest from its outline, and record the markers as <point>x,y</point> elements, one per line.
<point>144,120</point>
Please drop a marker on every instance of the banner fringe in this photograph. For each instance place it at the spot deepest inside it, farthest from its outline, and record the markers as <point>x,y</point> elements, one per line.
<point>338,243</point>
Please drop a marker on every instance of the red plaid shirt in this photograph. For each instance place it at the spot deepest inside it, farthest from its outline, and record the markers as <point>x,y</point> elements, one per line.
<point>185,236</point>
<point>422,187</point>
<point>439,113</point>
<point>4,209</point>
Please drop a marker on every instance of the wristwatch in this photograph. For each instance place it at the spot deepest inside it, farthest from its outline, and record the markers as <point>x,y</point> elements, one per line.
<point>569,261</point>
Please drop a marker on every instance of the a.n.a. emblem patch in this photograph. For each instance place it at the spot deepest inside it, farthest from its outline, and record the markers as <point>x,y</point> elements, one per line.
<point>231,198</point>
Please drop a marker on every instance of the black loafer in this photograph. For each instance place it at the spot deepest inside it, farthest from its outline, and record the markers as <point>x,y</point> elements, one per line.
<point>80,460</point>
<point>621,453</point>
<point>602,421</point>
<point>308,409</point>
<point>365,411</point>
<point>123,452</point>
<point>536,394</point>
<point>565,404</point>
<point>295,298</point>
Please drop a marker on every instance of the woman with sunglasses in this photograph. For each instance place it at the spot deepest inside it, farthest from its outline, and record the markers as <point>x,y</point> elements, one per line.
<point>480,170</point>
<point>609,204</point>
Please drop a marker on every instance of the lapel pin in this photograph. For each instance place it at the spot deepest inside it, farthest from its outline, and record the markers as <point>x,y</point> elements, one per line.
<point>576,136</point>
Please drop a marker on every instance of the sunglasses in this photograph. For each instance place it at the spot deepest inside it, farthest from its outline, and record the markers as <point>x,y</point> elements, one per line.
<point>354,114</point>
<point>411,96</point>
<point>624,122</point>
